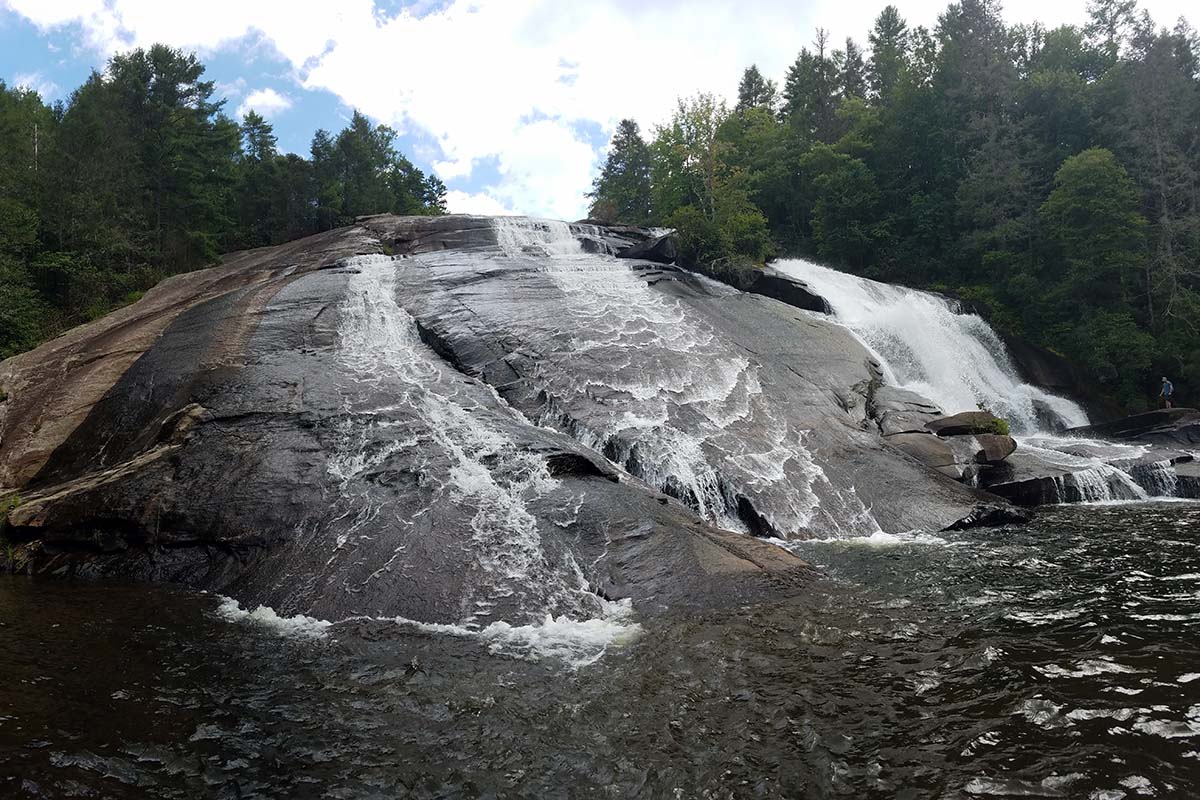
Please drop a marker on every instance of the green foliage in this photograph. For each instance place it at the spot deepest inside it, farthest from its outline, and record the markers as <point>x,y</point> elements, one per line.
<point>621,192</point>
<point>1051,175</point>
<point>141,175</point>
<point>1092,216</point>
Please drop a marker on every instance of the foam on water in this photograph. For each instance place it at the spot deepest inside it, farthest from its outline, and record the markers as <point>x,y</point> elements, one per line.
<point>299,626</point>
<point>925,344</point>
<point>451,427</point>
<point>576,643</point>
<point>680,409</point>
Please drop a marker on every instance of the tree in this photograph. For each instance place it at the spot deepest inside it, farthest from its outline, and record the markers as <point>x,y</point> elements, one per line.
<point>701,195</point>
<point>327,183</point>
<point>889,54</point>
<point>845,198</point>
<point>1109,22</point>
<point>184,149</point>
<point>755,91</point>
<point>853,79</point>
<point>1092,216</point>
<point>260,206</point>
<point>811,90</point>
<point>621,192</point>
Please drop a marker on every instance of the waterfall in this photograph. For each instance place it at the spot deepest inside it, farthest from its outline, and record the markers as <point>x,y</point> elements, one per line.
<point>524,236</point>
<point>926,345</point>
<point>682,409</point>
<point>924,342</point>
<point>418,409</point>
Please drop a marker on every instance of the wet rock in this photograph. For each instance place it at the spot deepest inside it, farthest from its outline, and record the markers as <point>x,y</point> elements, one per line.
<point>1052,372</point>
<point>1188,480</point>
<point>661,250</point>
<point>1168,427</point>
<point>994,448</point>
<point>964,423</point>
<point>430,436</point>
<point>991,515</point>
<point>933,452</point>
<point>901,410</point>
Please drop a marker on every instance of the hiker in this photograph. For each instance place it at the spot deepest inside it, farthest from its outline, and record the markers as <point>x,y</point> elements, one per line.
<point>1168,389</point>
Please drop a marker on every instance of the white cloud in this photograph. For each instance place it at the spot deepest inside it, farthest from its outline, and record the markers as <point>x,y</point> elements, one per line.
<point>508,82</point>
<point>460,202</point>
<point>37,82</point>
<point>266,102</point>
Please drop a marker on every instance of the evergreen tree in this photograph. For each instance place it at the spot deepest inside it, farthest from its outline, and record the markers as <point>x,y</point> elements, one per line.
<point>755,91</point>
<point>889,53</point>
<point>1109,23</point>
<point>853,79</point>
<point>621,192</point>
<point>811,92</point>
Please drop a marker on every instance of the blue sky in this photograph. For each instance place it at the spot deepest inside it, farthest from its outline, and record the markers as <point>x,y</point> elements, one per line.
<point>511,102</point>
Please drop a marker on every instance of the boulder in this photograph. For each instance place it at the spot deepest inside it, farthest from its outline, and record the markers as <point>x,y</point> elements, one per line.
<point>898,410</point>
<point>661,250</point>
<point>1187,476</point>
<point>992,515</point>
<point>965,423</point>
<point>933,452</point>
<point>994,448</point>
<point>771,283</point>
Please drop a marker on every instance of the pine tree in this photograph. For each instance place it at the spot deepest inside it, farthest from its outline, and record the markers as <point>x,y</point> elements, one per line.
<point>621,192</point>
<point>810,92</point>
<point>853,79</point>
<point>755,91</point>
<point>889,54</point>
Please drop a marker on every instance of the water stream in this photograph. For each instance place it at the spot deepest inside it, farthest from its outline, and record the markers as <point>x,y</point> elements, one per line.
<point>1055,660</point>
<point>926,343</point>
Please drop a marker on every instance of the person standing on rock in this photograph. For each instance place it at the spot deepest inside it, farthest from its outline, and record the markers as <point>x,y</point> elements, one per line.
<point>1165,393</point>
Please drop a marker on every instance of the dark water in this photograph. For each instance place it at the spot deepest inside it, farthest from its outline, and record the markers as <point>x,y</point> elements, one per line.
<point>1058,660</point>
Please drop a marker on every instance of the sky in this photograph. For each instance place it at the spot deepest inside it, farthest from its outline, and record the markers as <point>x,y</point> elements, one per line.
<point>510,102</point>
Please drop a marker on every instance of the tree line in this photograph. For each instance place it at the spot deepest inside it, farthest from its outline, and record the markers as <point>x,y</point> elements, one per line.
<point>141,174</point>
<point>1050,177</point>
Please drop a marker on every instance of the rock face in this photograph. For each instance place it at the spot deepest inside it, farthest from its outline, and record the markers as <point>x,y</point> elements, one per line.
<point>661,250</point>
<point>994,448</point>
<point>492,424</point>
<point>902,411</point>
<point>1169,427</point>
<point>964,423</point>
<point>1052,372</point>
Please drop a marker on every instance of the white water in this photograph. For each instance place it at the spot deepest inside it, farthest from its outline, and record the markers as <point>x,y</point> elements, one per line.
<point>578,643</point>
<point>454,428</point>
<point>959,362</point>
<point>954,359</point>
<point>680,407</point>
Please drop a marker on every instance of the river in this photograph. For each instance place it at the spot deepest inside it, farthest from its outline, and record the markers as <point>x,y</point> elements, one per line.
<point>1060,659</point>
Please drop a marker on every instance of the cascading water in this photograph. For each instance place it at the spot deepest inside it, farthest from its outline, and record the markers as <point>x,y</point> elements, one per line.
<point>925,343</point>
<point>690,418</point>
<point>415,405</point>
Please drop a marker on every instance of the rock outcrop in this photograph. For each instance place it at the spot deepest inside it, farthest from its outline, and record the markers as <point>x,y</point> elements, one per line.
<point>965,423</point>
<point>661,250</point>
<point>1167,427</point>
<point>434,418</point>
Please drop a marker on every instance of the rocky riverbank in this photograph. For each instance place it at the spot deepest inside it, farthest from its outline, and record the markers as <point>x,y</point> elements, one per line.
<point>451,418</point>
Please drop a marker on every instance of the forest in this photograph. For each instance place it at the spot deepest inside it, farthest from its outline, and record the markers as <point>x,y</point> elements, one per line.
<point>140,174</point>
<point>1049,178</point>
